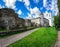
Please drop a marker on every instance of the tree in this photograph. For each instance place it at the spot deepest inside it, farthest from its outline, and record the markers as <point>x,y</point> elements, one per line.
<point>59,4</point>
<point>57,18</point>
<point>57,21</point>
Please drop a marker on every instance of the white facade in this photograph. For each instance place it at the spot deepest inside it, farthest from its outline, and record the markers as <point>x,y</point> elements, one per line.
<point>40,21</point>
<point>36,21</point>
<point>49,17</point>
<point>27,22</point>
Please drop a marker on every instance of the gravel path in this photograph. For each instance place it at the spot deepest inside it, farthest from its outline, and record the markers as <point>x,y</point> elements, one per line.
<point>11,39</point>
<point>58,40</point>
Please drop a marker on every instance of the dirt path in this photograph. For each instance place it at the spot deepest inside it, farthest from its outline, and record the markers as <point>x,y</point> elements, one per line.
<point>58,40</point>
<point>14,38</point>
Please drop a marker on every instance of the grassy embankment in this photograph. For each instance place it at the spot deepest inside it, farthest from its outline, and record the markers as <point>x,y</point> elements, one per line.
<point>6,33</point>
<point>44,37</point>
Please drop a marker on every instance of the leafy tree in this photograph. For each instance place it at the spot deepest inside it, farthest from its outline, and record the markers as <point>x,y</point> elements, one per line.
<point>59,4</point>
<point>57,21</point>
<point>57,18</point>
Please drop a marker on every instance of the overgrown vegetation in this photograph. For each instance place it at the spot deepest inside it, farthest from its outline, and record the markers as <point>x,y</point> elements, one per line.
<point>57,21</point>
<point>59,4</point>
<point>2,30</point>
<point>6,33</point>
<point>43,37</point>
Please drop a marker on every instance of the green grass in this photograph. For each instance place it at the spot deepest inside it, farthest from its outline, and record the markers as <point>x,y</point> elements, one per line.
<point>3,30</point>
<point>43,37</point>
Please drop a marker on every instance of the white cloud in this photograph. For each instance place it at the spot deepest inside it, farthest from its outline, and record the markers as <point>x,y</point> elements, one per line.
<point>27,3</point>
<point>54,7</point>
<point>44,3</point>
<point>10,3</point>
<point>29,16</point>
<point>20,0</point>
<point>48,5</point>
<point>56,11</point>
<point>36,1</point>
<point>1,6</point>
<point>19,12</point>
<point>34,13</point>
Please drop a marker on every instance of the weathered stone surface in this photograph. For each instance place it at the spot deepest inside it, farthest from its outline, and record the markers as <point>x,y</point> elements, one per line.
<point>9,19</point>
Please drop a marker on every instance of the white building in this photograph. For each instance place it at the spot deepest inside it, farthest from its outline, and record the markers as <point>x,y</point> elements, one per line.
<point>36,21</point>
<point>48,16</point>
<point>27,22</point>
<point>40,21</point>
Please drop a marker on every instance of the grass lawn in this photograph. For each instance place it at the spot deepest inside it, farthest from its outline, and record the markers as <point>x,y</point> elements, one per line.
<point>43,37</point>
<point>3,30</point>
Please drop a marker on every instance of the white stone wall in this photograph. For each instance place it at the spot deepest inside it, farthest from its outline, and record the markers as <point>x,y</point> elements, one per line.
<point>27,22</point>
<point>36,21</point>
<point>49,17</point>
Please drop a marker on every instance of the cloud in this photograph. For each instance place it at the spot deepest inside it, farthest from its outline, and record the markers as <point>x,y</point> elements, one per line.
<point>54,7</point>
<point>1,6</point>
<point>34,13</point>
<point>36,1</point>
<point>55,12</point>
<point>27,3</point>
<point>48,5</point>
<point>44,3</point>
<point>19,12</point>
<point>29,16</point>
<point>10,3</point>
<point>20,0</point>
<point>51,5</point>
<point>45,14</point>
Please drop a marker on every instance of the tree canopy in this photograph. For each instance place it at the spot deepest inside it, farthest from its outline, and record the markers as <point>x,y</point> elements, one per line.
<point>57,21</point>
<point>59,4</point>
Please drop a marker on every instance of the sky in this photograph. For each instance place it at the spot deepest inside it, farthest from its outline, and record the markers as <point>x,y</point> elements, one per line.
<point>28,9</point>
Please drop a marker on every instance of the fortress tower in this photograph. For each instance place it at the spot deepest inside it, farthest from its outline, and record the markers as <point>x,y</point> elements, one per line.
<point>49,17</point>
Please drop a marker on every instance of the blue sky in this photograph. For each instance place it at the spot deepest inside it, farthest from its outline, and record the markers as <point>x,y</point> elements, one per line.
<point>31,8</point>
